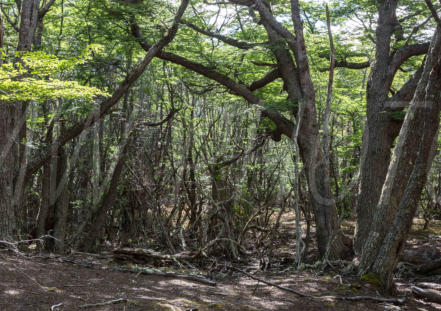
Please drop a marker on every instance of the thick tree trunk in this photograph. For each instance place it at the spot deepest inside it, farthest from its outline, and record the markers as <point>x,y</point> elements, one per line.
<point>12,131</point>
<point>381,129</point>
<point>379,135</point>
<point>7,163</point>
<point>406,175</point>
<point>28,24</point>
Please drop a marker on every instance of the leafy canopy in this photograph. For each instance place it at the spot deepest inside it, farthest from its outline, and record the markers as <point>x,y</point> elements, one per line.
<point>38,76</point>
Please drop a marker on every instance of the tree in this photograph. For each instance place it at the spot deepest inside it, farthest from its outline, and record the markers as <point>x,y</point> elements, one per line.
<point>13,131</point>
<point>382,127</point>
<point>407,173</point>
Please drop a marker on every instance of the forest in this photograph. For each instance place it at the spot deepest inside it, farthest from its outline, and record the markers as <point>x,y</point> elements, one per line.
<point>220,155</point>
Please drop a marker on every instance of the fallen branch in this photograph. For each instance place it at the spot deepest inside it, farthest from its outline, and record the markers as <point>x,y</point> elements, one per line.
<point>192,277</point>
<point>430,285</point>
<point>13,246</point>
<point>398,300</point>
<point>430,294</point>
<point>106,303</point>
<point>145,271</point>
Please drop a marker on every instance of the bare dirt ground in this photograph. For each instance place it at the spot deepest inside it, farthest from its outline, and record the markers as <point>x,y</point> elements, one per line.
<point>41,282</point>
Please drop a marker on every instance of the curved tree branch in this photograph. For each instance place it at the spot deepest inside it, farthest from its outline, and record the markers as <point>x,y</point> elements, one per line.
<point>267,79</point>
<point>349,65</point>
<point>233,42</point>
<point>406,52</point>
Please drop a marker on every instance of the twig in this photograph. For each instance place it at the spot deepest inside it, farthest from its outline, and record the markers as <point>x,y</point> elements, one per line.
<point>106,303</point>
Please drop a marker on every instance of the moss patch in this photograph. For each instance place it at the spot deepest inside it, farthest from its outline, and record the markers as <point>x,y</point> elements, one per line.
<point>372,278</point>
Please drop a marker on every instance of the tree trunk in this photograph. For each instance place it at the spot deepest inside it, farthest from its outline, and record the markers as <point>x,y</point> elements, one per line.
<point>7,163</point>
<point>45,187</point>
<point>62,200</point>
<point>12,131</point>
<point>298,84</point>
<point>99,217</point>
<point>406,175</point>
<point>381,129</point>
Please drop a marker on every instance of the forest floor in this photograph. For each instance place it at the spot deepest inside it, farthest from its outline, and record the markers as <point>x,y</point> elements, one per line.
<point>37,281</point>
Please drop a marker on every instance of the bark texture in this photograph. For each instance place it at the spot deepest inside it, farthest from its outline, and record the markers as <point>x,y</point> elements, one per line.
<point>12,131</point>
<point>407,173</point>
<point>381,129</point>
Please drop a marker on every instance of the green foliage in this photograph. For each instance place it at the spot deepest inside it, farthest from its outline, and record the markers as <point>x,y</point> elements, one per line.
<point>38,76</point>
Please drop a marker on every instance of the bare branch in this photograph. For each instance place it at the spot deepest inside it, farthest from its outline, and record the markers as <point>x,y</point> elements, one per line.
<point>349,65</point>
<point>267,79</point>
<point>406,52</point>
<point>233,42</point>
<point>43,10</point>
<point>416,28</point>
<point>170,115</point>
<point>11,22</point>
<point>433,11</point>
<point>266,14</point>
<point>330,85</point>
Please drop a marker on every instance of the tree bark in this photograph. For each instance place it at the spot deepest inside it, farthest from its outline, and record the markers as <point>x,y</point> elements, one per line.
<point>106,204</point>
<point>406,175</point>
<point>298,84</point>
<point>12,132</point>
<point>381,129</point>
